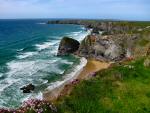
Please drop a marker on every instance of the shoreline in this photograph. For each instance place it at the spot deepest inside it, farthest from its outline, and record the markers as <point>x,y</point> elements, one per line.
<point>53,90</point>
<point>91,66</point>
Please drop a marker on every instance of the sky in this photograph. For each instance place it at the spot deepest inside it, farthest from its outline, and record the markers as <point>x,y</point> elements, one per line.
<point>89,9</point>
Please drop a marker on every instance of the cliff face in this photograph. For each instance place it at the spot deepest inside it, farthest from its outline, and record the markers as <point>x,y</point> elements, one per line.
<point>109,27</point>
<point>111,41</point>
<point>110,47</point>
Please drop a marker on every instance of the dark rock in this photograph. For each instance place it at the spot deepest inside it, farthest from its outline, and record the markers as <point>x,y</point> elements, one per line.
<point>68,46</point>
<point>95,30</point>
<point>28,88</point>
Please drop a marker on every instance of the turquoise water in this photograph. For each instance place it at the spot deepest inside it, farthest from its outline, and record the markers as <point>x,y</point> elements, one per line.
<point>28,55</point>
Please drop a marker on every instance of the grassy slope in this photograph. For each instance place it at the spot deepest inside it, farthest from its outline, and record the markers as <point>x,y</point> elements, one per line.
<point>120,89</point>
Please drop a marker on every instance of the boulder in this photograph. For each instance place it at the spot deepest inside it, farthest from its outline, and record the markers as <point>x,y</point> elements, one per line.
<point>68,46</point>
<point>28,88</point>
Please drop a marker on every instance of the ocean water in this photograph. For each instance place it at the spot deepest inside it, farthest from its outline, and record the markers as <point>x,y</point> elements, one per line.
<point>28,55</point>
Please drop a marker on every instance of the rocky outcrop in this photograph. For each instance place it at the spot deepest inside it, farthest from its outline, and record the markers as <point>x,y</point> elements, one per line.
<point>109,27</point>
<point>109,40</point>
<point>28,88</point>
<point>108,47</point>
<point>68,46</point>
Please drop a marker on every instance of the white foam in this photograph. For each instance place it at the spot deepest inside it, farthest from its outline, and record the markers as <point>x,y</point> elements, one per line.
<point>27,70</point>
<point>6,83</point>
<point>45,81</point>
<point>84,34</point>
<point>66,62</point>
<point>39,96</point>
<point>20,50</point>
<point>1,74</point>
<point>69,77</point>
<point>46,45</point>
<point>20,68</point>
<point>54,52</point>
<point>25,55</point>
<point>41,23</point>
<point>76,33</point>
<point>80,35</point>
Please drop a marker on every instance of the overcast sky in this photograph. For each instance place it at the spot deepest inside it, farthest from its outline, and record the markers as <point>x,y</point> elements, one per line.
<point>94,9</point>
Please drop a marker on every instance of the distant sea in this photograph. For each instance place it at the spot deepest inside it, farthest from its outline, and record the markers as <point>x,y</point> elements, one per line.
<point>28,51</point>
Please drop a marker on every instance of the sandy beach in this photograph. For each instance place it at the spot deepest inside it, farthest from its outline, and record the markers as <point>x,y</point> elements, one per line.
<point>92,66</point>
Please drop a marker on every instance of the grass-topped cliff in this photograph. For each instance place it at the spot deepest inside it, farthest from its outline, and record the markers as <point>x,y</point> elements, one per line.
<point>124,88</point>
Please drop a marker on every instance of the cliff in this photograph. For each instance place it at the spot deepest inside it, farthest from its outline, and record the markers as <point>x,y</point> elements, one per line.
<point>108,27</point>
<point>111,41</point>
<point>109,47</point>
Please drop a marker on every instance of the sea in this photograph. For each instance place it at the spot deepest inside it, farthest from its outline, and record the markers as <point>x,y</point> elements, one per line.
<point>28,54</point>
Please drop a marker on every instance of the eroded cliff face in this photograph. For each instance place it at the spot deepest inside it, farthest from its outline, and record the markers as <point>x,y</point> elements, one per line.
<point>108,47</point>
<point>111,41</point>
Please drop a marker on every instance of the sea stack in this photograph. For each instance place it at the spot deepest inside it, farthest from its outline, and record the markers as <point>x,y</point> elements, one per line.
<point>68,46</point>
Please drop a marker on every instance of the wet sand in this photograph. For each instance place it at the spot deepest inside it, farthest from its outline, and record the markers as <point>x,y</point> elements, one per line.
<point>92,66</point>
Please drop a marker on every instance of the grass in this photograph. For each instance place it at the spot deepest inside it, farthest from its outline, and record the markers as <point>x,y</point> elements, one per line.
<point>121,89</point>
<point>143,42</point>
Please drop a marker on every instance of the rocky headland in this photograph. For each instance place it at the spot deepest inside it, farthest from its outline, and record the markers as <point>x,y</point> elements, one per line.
<point>108,41</point>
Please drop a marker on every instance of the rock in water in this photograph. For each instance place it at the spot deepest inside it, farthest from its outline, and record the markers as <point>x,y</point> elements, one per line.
<point>68,46</point>
<point>28,88</point>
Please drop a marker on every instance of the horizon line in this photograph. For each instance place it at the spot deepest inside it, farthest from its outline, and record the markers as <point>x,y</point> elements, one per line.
<point>74,19</point>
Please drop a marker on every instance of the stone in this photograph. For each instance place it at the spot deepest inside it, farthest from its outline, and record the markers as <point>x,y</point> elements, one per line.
<point>68,46</point>
<point>28,88</point>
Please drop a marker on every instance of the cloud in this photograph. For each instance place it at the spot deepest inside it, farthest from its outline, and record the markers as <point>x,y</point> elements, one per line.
<point>117,9</point>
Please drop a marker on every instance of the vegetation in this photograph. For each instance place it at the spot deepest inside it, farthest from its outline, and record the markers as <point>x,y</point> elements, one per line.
<point>124,88</point>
